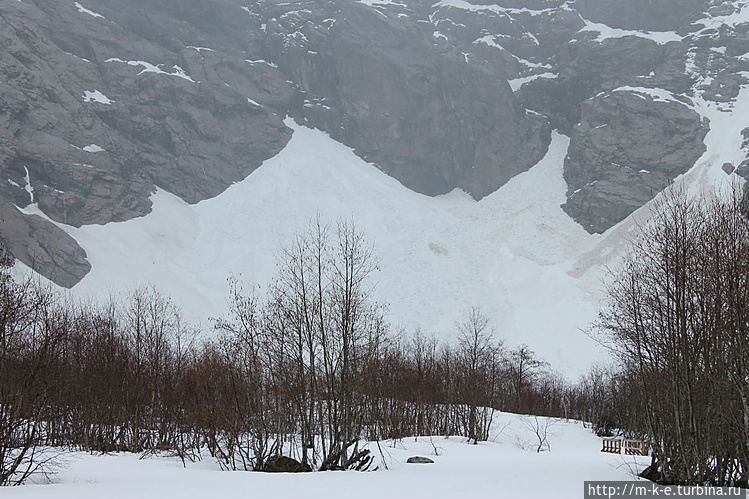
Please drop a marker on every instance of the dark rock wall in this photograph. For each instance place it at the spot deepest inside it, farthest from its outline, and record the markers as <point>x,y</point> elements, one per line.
<point>646,15</point>
<point>427,118</point>
<point>627,147</point>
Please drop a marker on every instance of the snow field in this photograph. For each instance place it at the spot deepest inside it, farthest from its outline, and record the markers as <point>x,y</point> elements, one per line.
<point>508,466</point>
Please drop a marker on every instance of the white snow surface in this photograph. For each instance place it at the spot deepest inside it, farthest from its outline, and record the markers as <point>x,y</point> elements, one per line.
<point>373,3</point>
<point>93,148</point>
<point>261,61</point>
<point>657,94</point>
<point>28,187</point>
<point>605,32</point>
<point>516,83</point>
<point>740,15</point>
<point>490,40</point>
<point>497,9</point>
<point>525,62</point>
<point>507,466</point>
<point>84,10</point>
<point>511,253</point>
<point>154,68</point>
<point>96,96</point>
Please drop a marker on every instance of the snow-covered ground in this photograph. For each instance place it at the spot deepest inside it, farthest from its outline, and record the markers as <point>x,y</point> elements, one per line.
<point>508,466</point>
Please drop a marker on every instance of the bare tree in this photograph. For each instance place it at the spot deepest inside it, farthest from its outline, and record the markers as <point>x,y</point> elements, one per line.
<point>29,339</point>
<point>523,370</point>
<point>677,318</point>
<point>309,368</point>
<point>311,341</point>
<point>477,355</point>
<point>541,429</point>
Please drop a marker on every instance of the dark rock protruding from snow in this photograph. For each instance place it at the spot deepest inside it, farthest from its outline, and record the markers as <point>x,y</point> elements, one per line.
<point>283,464</point>
<point>42,246</point>
<point>628,146</point>
<point>419,460</point>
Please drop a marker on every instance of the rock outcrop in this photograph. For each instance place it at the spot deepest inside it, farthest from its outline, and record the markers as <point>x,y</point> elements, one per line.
<point>628,146</point>
<point>98,110</point>
<point>283,464</point>
<point>42,245</point>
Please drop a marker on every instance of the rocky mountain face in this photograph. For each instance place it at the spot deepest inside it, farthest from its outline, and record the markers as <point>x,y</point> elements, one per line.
<point>103,101</point>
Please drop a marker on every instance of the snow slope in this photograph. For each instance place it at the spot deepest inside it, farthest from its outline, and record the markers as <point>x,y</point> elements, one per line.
<point>516,254</point>
<point>509,254</point>
<point>508,466</point>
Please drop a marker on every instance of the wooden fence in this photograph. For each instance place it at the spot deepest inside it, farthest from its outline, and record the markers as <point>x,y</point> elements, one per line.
<point>632,446</point>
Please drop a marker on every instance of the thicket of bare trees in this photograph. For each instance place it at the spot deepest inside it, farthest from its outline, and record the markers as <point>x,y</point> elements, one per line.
<point>308,369</point>
<point>678,319</point>
<point>29,340</point>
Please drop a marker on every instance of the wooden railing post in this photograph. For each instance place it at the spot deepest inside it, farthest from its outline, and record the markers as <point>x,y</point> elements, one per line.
<point>612,445</point>
<point>634,447</point>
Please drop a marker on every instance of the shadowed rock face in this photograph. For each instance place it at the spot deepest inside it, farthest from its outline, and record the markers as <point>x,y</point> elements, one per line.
<point>102,101</point>
<point>46,247</point>
<point>97,125</point>
<point>648,15</point>
<point>627,138</point>
<point>428,118</point>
